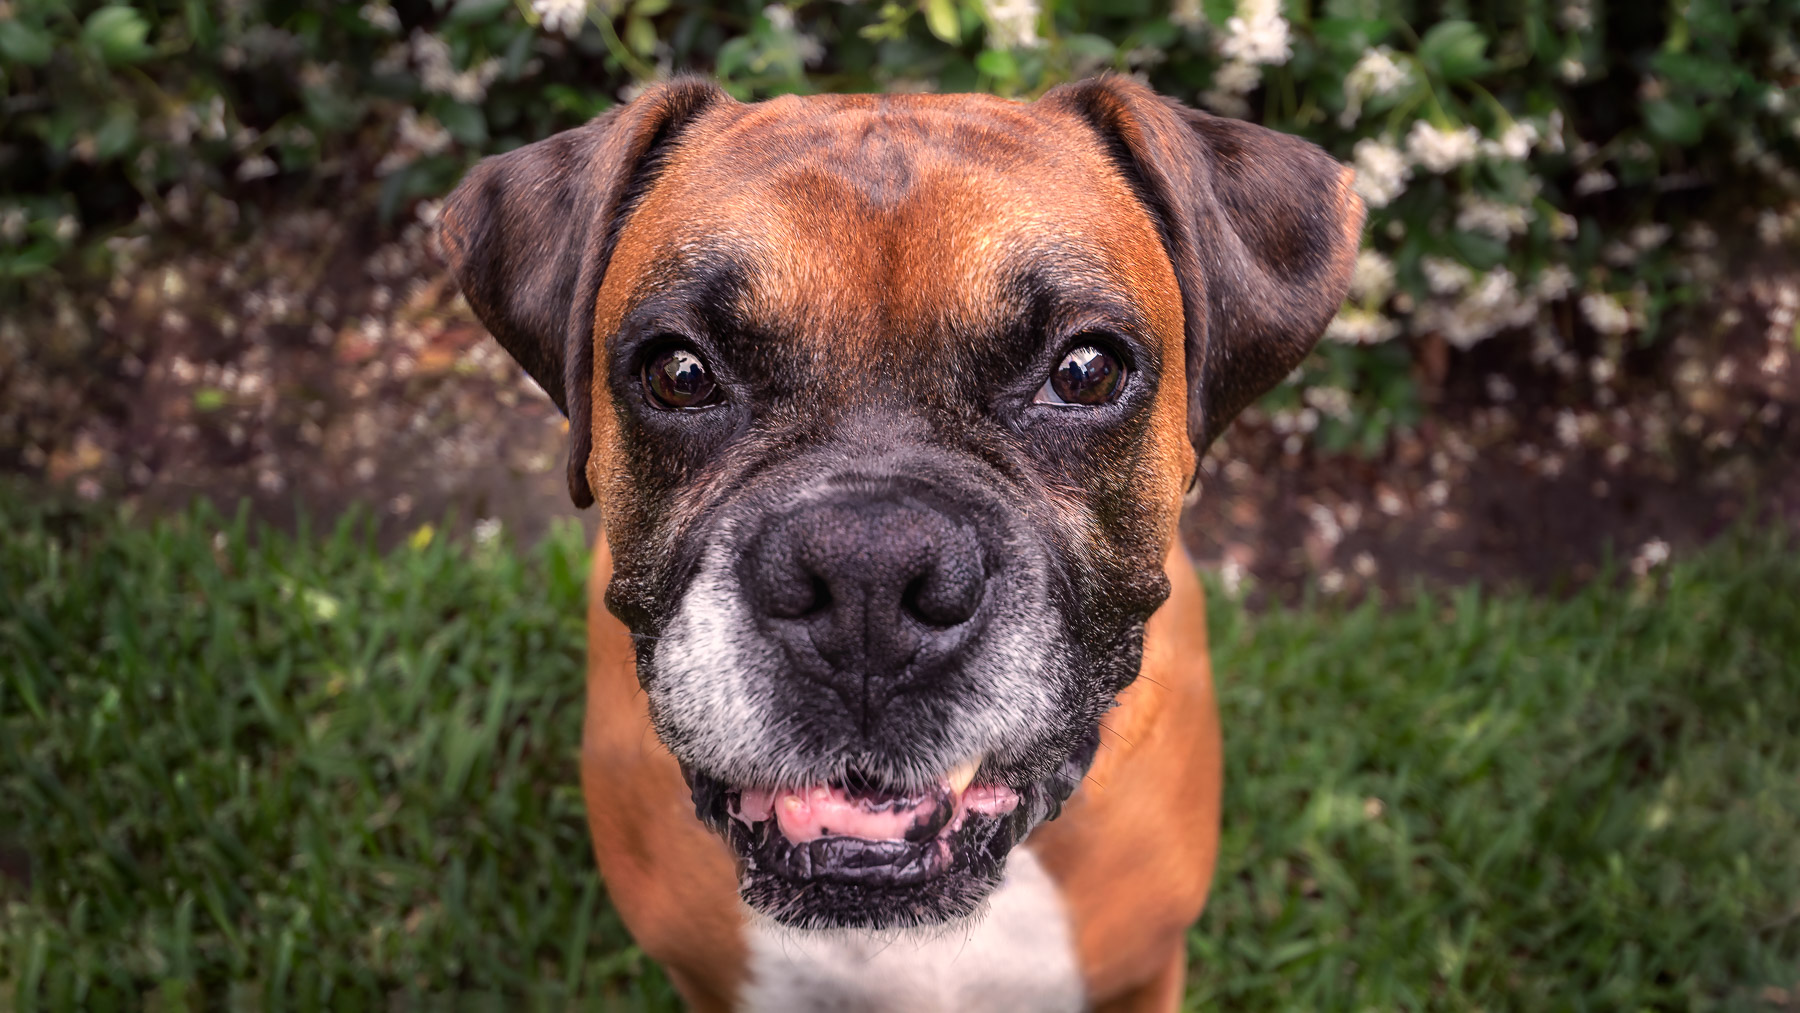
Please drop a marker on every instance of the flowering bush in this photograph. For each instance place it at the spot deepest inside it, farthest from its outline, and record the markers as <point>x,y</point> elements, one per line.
<point>1512,157</point>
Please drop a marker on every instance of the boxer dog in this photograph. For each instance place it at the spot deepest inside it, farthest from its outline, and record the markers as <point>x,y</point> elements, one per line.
<point>898,694</point>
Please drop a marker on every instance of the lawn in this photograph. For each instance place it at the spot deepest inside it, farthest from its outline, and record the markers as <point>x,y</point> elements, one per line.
<point>239,768</point>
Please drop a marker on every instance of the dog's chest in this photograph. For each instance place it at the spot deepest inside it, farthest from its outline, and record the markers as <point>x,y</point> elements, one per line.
<point>1019,957</point>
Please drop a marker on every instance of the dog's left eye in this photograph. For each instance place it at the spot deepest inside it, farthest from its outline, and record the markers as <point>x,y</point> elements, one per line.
<point>676,378</point>
<point>1088,375</point>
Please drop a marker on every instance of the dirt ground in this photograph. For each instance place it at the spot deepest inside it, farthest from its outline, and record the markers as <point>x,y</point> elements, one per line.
<point>318,368</point>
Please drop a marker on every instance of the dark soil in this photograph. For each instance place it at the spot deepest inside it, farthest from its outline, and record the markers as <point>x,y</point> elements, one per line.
<point>316,369</point>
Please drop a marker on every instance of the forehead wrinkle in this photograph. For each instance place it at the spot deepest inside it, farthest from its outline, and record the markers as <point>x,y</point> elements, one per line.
<point>863,218</point>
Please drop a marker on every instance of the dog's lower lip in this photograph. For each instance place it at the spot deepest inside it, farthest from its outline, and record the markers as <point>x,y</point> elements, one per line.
<point>927,878</point>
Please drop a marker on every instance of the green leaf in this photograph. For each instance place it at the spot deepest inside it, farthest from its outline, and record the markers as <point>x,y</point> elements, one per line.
<point>1349,36</point>
<point>116,133</point>
<point>117,34</point>
<point>1711,78</point>
<point>997,63</point>
<point>1674,121</point>
<point>1091,50</point>
<point>201,27</point>
<point>30,261</point>
<point>640,35</point>
<point>649,8</point>
<point>22,43</point>
<point>1455,50</point>
<point>464,122</point>
<point>940,17</point>
<point>475,12</point>
<point>1478,249</point>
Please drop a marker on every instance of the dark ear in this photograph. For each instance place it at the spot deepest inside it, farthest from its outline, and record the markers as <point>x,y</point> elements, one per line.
<point>1263,229</point>
<point>528,235</point>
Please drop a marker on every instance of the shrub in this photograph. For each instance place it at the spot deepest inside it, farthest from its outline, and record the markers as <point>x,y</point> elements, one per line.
<point>1513,156</point>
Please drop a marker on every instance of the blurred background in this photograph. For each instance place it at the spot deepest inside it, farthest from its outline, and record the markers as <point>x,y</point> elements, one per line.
<point>298,595</point>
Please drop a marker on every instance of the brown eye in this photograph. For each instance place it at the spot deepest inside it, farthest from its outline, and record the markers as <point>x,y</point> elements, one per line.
<point>676,378</point>
<point>1087,375</point>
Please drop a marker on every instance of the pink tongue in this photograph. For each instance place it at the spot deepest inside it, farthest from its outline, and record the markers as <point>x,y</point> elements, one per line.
<point>820,810</point>
<point>806,814</point>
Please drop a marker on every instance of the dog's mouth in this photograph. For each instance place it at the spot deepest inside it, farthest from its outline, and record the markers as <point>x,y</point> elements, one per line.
<point>857,853</point>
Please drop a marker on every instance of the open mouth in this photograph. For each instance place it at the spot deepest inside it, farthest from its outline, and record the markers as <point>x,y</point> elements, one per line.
<point>856,853</point>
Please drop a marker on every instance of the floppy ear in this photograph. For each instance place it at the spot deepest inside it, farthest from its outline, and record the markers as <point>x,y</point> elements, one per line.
<point>528,235</point>
<point>1263,230</point>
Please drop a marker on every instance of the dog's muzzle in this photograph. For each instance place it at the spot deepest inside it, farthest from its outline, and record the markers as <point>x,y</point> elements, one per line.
<point>904,734</point>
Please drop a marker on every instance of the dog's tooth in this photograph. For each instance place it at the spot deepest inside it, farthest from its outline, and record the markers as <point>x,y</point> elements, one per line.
<point>963,774</point>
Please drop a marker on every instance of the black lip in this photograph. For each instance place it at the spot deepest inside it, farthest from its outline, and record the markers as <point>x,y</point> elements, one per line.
<point>848,882</point>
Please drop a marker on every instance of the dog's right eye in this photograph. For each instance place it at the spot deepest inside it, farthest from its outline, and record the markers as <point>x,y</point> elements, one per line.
<point>677,379</point>
<point>1088,375</point>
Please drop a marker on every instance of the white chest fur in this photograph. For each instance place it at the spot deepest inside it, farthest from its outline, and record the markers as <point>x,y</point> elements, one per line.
<point>1018,956</point>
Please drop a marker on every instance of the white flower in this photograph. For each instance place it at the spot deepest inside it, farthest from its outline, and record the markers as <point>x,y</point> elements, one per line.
<point>438,73</point>
<point>1381,171</point>
<point>1490,306</point>
<point>1372,279</point>
<point>805,47</point>
<point>1699,236</point>
<point>1377,74</point>
<point>414,136</point>
<point>1572,70</point>
<point>1553,283</point>
<point>1564,226</point>
<point>1576,15</point>
<point>1770,226</point>
<point>1650,555</point>
<point>1188,14</point>
<point>1354,326</point>
<point>67,228</point>
<point>565,16</point>
<point>380,15</point>
<point>256,167</point>
<point>212,127</point>
<point>1513,144</point>
<point>1237,77</point>
<point>1014,23</point>
<point>1145,56</point>
<point>1232,576</point>
<point>1231,82</point>
<point>1445,276</point>
<point>1332,402</point>
<point>1605,313</point>
<point>1441,150</point>
<point>1594,181</point>
<point>1648,236</point>
<point>1502,221</point>
<point>780,18</point>
<point>1552,134</point>
<point>13,221</point>
<point>487,530</point>
<point>1257,34</point>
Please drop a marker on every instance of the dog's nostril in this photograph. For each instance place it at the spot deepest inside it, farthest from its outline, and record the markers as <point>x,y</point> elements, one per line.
<point>821,598</point>
<point>939,599</point>
<point>910,600</point>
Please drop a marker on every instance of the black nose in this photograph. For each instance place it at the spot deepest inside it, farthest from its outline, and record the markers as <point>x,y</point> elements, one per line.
<point>867,585</point>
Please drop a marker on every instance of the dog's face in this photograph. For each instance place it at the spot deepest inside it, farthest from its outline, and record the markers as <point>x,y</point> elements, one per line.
<point>889,405</point>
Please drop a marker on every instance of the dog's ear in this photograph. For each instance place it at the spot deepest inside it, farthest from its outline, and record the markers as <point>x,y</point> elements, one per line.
<point>1263,230</point>
<point>528,235</point>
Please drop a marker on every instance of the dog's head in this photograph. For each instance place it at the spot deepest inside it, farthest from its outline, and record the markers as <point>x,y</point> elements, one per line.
<point>889,404</point>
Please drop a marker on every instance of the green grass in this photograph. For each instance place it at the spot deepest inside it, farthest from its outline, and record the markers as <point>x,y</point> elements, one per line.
<point>250,770</point>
